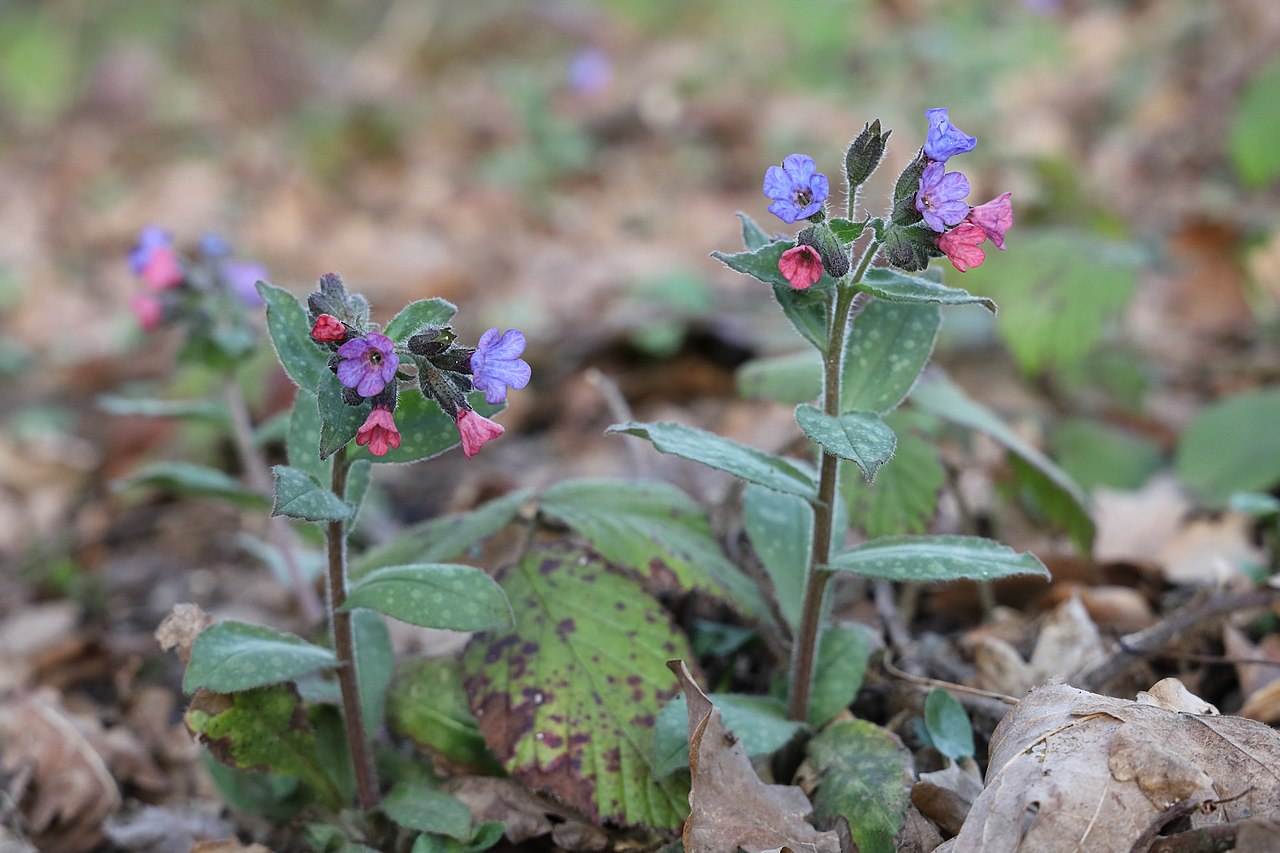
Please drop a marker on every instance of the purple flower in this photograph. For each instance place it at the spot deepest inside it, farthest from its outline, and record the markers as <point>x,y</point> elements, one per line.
<point>796,188</point>
<point>941,197</point>
<point>496,364</point>
<point>150,239</point>
<point>214,246</point>
<point>590,72</point>
<point>945,140</point>
<point>367,364</point>
<point>242,277</point>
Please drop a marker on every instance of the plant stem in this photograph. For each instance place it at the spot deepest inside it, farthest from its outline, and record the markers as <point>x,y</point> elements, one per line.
<point>804,653</point>
<point>255,469</point>
<point>344,647</point>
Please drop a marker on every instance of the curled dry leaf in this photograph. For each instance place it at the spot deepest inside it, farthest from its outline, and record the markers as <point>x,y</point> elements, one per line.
<point>180,629</point>
<point>524,814</point>
<point>1068,643</point>
<point>730,806</point>
<point>945,796</point>
<point>1072,770</point>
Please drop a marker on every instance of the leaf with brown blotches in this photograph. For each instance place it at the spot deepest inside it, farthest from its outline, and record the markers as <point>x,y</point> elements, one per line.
<point>1072,770</point>
<point>731,807</point>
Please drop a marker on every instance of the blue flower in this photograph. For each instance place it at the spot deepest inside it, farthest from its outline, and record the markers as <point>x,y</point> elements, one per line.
<point>496,364</point>
<point>941,197</point>
<point>367,364</point>
<point>945,140</point>
<point>796,188</point>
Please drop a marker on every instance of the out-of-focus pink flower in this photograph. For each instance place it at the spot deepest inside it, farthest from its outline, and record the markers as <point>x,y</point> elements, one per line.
<point>962,246</point>
<point>162,269</point>
<point>379,432</point>
<point>801,266</point>
<point>148,309</point>
<point>475,430</point>
<point>995,217</point>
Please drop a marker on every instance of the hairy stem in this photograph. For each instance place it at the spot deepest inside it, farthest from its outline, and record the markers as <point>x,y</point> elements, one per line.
<point>805,651</point>
<point>255,469</point>
<point>345,648</point>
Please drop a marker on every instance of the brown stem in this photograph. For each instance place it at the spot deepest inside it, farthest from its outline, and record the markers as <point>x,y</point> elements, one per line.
<point>344,646</point>
<point>278,529</point>
<point>805,651</point>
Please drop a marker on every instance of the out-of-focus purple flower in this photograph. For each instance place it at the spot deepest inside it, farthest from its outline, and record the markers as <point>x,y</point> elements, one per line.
<point>796,187</point>
<point>379,432</point>
<point>995,217</point>
<point>148,309</point>
<point>242,278</point>
<point>801,266</point>
<point>941,197</point>
<point>590,72</point>
<point>962,245</point>
<point>496,364</point>
<point>150,239</point>
<point>214,246</point>
<point>367,364</point>
<point>944,139</point>
<point>475,430</point>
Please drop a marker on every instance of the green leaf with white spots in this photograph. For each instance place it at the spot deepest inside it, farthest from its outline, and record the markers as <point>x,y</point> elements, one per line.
<point>649,527</point>
<point>948,725</point>
<point>415,315</point>
<point>759,722</point>
<point>842,663</point>
<point>895,286</point>
<point>428,705</point>
<point>375,663</point>
<point>359,478</point>
<point>264,729</point>
<point>936,558</point>
<point>186,478</point>
<point>302,441</point>
<point>338,421</point>
<point>860,437</point>
<point>754,466</point>
<point>445,538</point>
<point>428,810</point>
<point>781,531</point>
<point>231,656</point>
<point>889,344</point>
<point>298,495</point>
<point>568,699</point>
<point>433,595</point>
<point>904,496</point>
<point>864,774</point>
<point>304,361</point>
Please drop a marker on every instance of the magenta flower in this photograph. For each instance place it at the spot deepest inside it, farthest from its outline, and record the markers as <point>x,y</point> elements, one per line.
<point>475,430</point>
<point>941,197</point>
<point>148,309</point>
<point>962,245</point>
<point>496,364</point>
<point>379,432</point>
<point>796,188</point>
<point>328,329</point>
<point>367,364</point>
<point>995,217</point>
<point>801,267</point>
<point>944,139</point>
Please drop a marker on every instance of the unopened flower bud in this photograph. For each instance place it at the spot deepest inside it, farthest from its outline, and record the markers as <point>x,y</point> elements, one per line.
<point>905,190</point>
<point>864,154</point>
<point>328,329</point>
<point>835,258</point>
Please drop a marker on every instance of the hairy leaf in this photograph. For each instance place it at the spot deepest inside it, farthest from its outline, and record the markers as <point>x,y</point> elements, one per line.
<point>304,361</point>
<point>896,286</point>
<point>428,705</point>
<point>936,558</point>
<point>186,478</point>
<point>298,495</point>
<point>433,595</point>
<point>860,437</point>
<point>230,656</point>
<point>889,344</point>
<point>842,662</point>
<point>905,494</point>
<point>415,315</point>
<point>781,531</point>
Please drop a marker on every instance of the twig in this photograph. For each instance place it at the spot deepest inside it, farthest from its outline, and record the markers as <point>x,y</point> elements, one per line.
<point>925,681</point>
<point>620,412</point>
<point>1150,641</point>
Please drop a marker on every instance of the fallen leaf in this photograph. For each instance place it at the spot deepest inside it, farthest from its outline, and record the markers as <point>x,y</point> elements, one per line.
<point>180,629</point>
<point>153,828</point>
<point>1071,770</point>
<point>945,796</point>
<point>730,806</point>
<point>1067,644</point>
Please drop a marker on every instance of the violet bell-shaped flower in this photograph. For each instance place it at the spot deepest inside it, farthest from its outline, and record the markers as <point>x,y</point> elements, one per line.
<point>944,140</point>
<point>995,217</point>
<point>941,197</point>
<point>367,364</point>
<point>496,364</point>
<point>796,187</point>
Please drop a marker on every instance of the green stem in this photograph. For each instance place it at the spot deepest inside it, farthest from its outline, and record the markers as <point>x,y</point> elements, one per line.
<point>344,646</point>
<point>804,653</point>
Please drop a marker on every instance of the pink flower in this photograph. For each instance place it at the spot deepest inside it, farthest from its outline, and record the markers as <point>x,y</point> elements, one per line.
<point>148,310</point>
<point>379,432</point>
<point>475,430</point>
<point>328,329</point>
<point>162,269</point>
<point>801,266</point>
<point>995,217</point>
<point>961,245</point>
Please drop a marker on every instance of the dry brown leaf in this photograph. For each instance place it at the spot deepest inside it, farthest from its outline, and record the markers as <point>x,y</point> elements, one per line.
<point>945,796</point>
<point>1068,643</point>
<point>180,629</point>
<point>1073,771</point>
<point>729,806</point>
<point>72,791</point>
<point>231,845</point>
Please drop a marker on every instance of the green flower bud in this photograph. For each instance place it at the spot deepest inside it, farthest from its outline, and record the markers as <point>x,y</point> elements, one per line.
<point>835,258</point>
<point>864,154</point>
<point>904,191</point>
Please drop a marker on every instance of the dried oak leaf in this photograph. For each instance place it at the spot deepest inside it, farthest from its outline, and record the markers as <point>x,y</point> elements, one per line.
<point>1072,770</point>
<point>1069,642</point>
<point>730,806</point>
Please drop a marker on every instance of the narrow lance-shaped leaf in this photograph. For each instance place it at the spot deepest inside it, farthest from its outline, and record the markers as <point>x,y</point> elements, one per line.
<point>781,531</point>
<point>936,558</point>
<point>806,309</point>
<point>760,723</point>
<point>186,478</point>
<point>898,286</point>
<point>433,595</point>
<point>230,656</point>
<point>290,333</point>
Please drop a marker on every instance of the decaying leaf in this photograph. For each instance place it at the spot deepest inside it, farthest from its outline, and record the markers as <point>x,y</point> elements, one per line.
<point>180,629</point>
<point>1072,770</point>
<point>1259,682</point>
<point>1068,642</point>
<point>945,796</point>
<point>731,807</point>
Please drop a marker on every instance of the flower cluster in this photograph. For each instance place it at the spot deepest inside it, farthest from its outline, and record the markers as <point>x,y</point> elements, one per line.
<point>941,198</point>
<point>179,289</point>
<point>370,365</point>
